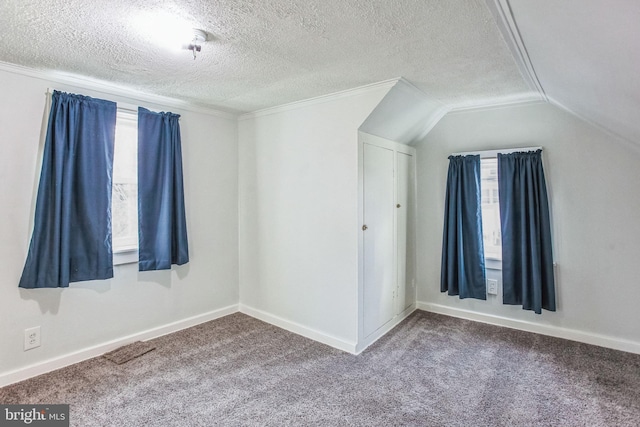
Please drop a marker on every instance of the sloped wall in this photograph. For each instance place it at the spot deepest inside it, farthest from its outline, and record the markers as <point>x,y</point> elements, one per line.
<point>404,115</point>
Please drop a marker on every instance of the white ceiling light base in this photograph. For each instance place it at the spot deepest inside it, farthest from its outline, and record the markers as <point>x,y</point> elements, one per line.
<point>199,37</point>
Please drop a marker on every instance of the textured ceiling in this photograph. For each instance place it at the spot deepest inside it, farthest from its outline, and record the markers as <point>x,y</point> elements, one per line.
<point>586,54</point>
<point>265,53</point>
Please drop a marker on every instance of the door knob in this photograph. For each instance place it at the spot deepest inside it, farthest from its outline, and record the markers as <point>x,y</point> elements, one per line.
<point>364,227</point>
<point>398,205</point>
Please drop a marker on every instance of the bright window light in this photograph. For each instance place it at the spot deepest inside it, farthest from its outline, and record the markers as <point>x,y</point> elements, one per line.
<point>490,206</point>
<point>124,200</point>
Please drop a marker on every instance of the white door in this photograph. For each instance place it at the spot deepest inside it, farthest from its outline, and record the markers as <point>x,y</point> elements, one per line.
<point>405,232</point>
<point>379,253</point>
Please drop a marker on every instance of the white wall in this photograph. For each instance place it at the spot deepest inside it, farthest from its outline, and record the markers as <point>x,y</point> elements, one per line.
<point>92,313</point>
<point>593,180</point>
<point>299,215</point>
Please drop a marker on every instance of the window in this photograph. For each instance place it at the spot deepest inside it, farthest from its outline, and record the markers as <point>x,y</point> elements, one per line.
<point>490,208</point>
<point>124,201</point>
<point>525,256</point>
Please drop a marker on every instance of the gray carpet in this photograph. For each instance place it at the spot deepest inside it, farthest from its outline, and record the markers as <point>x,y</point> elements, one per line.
<point>431,370</point>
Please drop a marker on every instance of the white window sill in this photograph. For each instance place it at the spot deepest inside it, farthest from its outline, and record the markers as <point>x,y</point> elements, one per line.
<point>126,256</point>
<point>493,264</point>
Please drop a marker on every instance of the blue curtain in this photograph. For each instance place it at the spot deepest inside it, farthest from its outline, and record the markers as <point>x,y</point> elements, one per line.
<point>162,228</point>
<point>71,238</point>
<point>527,262</point>
<point>463,270</point>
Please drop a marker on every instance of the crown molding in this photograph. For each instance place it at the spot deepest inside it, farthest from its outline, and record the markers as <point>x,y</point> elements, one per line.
<point>503,15</point>
<point>434,119</point>
<point>492,105</point>
<point>113,89</point>
<point>388,84</point>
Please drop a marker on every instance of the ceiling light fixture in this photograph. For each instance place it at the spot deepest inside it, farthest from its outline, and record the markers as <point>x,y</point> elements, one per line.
<point>199,37</point>
<point>164,29</point>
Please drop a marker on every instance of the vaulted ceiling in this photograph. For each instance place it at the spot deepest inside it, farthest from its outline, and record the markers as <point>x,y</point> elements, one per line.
<point>581,54</point>
<point>586,55</point>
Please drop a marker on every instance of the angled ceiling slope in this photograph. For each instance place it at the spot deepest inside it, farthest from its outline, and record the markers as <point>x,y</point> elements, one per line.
<point>585,56</point>
<point>404,115</point>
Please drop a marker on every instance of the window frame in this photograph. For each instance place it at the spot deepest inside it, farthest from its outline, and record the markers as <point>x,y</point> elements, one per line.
<point>492,263</point>
<point>128,254</point>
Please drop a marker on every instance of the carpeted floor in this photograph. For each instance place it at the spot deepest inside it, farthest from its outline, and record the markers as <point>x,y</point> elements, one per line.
<point>431,370</point>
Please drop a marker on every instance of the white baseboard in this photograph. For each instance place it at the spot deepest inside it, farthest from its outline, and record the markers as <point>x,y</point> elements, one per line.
<point>375,336</point>
<point>98,350</point>
<point>341,344</point>
<point>554,331</point>
<point>296,328</point>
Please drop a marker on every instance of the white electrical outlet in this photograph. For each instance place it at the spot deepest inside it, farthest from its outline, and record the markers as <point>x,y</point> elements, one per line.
<point>31,338</point>
<point>492,286</point>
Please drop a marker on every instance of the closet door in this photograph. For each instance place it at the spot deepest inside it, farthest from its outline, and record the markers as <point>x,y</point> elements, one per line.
<point>379,254</point>
<point>405,231</point>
